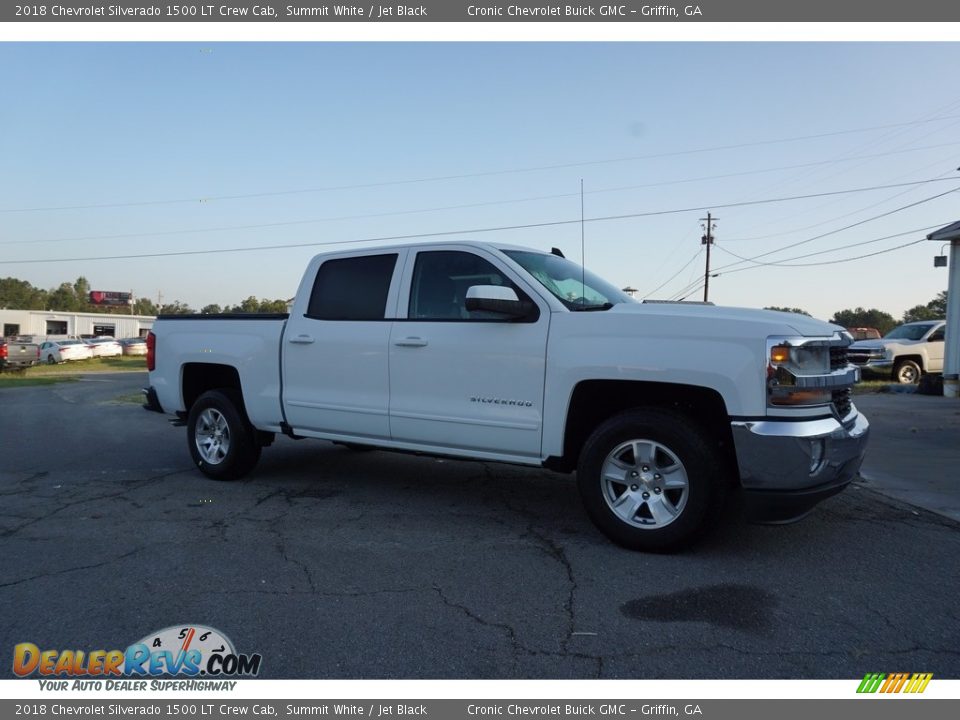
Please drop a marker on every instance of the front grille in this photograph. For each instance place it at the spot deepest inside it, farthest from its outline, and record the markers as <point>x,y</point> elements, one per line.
<point>842,401</point>
<point>838,358</point>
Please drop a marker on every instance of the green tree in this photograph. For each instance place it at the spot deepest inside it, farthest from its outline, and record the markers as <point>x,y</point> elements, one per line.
<point>144,306</point>
<point>257,306</point>
<point>81,290</point>
<point>787,309</point>
<point>20,295</point>
<point>860,317</point>
<point>939,304</point>
<point>176,308</point>
<point>936,309</point>
<point>212,309</point>
<point>273,306</point>
<point>920,312</point>
<point>64,298</point>
<point>250,305</point>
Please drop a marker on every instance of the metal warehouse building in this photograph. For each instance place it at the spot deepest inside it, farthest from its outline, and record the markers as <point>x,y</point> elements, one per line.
<point>51,322</point>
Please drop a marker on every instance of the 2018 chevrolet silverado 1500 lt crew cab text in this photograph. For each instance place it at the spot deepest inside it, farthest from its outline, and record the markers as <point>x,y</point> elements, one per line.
<point>499,353</point>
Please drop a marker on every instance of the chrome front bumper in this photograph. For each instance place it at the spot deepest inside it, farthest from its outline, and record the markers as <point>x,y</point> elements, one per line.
<point>788,467</point>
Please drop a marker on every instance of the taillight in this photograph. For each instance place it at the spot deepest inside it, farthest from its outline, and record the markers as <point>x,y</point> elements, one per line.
<point>151,352</point>
<point>3,351</point>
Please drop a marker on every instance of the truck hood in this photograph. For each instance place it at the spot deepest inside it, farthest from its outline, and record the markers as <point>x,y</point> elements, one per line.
<point>765,322</point>
<point>871,344</point>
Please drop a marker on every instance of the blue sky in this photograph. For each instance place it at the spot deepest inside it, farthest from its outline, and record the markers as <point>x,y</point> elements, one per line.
<point>340,142</point>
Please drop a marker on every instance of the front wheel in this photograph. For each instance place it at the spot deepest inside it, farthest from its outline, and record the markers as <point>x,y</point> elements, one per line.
<point>651,479</point>
<point>907,372</point>
<point>221,440</point>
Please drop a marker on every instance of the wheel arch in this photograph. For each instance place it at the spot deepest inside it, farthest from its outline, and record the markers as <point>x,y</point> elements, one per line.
<point>592,402</point>
<point>198,378</point>
<point>918,359</point>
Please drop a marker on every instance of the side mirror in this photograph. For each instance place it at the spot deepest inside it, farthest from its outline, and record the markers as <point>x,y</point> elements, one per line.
<point>497,299</point>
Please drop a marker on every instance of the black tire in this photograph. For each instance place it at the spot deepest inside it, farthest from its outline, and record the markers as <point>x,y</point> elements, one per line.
<point>221,440</point>
<point>50,360</point>
<point>673,449</point>
<point>907,372</point>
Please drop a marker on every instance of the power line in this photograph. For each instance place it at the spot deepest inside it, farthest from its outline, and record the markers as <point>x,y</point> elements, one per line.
<point>875,144</point>
<point>653,213</point>
<point>847,227</point>
<point>840,217</point>
<point>464,176</point>
<point>841,260</point>
<point>697,284</point>
<point>784,263</point>
<point>668,280</point>
<point>471,231</point>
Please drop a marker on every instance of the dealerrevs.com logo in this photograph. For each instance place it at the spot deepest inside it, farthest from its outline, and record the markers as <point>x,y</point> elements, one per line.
<point>180,650</point>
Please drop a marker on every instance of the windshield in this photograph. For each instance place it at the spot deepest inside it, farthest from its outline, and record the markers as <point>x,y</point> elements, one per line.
<point>909,332</point>
<point>568,282</point>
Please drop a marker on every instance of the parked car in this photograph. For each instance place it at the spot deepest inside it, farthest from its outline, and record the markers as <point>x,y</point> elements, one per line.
<point>134,346</point>
<point>104,347</point>
<point>57,351</point>
<point>908,351</point>
<point>18,355</point>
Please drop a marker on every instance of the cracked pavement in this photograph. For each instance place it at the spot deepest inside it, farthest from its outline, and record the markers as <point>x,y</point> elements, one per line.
<point>333,563</point>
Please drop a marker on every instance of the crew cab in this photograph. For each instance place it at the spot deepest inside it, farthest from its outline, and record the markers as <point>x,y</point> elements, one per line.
<point>499,353</point>
<point>906,352</point>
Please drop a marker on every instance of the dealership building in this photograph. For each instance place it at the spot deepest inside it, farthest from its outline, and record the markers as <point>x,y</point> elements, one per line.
<point>43,323</point>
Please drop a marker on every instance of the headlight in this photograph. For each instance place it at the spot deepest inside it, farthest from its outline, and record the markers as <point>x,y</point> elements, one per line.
<point>791,360</point>
<point>801,360</point>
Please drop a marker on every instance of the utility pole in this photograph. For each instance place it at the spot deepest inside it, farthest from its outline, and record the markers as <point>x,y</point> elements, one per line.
<point>708,241</point>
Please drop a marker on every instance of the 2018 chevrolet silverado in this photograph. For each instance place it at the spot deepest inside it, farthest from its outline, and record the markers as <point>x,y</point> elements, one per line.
<point>500,353</point>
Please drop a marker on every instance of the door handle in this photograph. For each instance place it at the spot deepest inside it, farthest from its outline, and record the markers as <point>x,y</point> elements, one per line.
<point>302,339</point>
<point>411,342</point>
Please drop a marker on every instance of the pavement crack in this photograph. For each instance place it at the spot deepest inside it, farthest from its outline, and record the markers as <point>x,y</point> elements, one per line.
<point>72,569</point>
<point>88,499</point>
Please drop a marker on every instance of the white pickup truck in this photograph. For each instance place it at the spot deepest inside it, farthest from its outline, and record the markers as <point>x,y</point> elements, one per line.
<point>908,351</point>
<point>508,354</point>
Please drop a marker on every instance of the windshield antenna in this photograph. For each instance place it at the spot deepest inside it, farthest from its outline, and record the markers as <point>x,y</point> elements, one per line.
<point>583,259</point>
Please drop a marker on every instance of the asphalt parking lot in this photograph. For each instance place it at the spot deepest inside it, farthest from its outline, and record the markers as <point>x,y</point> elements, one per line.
<point>338,564</point>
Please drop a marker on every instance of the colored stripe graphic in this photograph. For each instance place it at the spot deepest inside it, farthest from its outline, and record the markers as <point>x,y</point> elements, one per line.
<point>894,683</point>
<point>871,681</point>
<point>919,682</point>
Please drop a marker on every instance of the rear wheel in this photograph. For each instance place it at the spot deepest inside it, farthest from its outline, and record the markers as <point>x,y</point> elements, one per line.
<point>50,360</point>
<point>651,479</point>
<point>221,440</point>
<point>907,372</point>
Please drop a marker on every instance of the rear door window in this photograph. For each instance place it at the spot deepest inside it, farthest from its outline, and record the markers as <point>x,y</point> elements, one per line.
<point>352,288</point>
